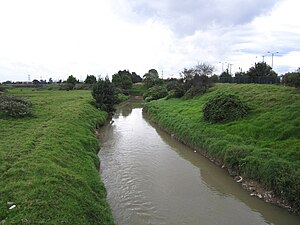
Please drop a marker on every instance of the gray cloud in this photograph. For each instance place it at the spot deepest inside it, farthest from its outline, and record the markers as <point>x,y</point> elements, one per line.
<point>185,17</point>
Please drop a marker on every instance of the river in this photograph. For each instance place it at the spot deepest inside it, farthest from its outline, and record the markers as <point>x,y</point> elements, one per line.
<point>153,179</point>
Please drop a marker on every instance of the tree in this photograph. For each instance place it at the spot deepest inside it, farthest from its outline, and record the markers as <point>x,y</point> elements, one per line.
<point>122,79</point>
<point>50,81</point>
<point>36,82</point>
<point>135,78</point>
<point>292,79</point>
<point>261,69</point>
<point>90,79</point>
<point>195,80</point>
<point>104,95</point>
<point>151,78</point>
<point>71,81</point>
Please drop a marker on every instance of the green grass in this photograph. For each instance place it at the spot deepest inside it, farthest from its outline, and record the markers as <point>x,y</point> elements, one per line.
<point>138,89</point>
<point>264,146</point>
<point>49,164</point>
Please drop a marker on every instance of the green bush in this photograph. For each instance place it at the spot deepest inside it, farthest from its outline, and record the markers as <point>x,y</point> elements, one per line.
<point>104,95</point>
<point>292,79</point>
<point>224,107</point>
<point>14,106</point>
<point>155,92</point>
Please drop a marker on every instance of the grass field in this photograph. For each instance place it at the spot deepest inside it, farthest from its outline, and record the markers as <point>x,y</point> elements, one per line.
<point>264,146</point>
<point>49,164</point>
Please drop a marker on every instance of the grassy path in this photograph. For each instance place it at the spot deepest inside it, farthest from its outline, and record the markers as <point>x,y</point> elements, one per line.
<point>265,146</point>
<point>48,162</point>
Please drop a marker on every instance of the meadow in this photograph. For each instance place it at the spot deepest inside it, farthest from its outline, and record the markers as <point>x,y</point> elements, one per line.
<point>264,146</point>
<point>49,164</point>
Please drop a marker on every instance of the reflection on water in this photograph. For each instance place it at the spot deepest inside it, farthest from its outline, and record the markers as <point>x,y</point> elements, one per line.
<point>153,179</point>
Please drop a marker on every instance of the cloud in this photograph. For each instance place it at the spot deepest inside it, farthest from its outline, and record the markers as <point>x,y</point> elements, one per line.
<point>54,38</point>
<point>186,17</point>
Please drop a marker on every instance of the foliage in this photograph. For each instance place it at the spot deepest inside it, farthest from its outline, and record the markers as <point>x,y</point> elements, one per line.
<point>151,78</point>
<point>71,82</point>
<point>104,95</point>
<point>224,107</point>
<point>15,106</point>
<point>135,78</point>
<point>263,146</point>
<point>225,74</point>
<point>137,89</point>
<point>90,79</point>
<point>122,79</point>
<point>49,164</point>
<point>120,97</point>
<point>155,92</point>
<point>261,69</point>
<point>2,89</point>
<point>292,79</point>
<point>195,80</point>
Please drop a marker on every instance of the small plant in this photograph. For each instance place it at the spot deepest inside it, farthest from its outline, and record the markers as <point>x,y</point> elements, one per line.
<point>224,107</point>
<point>14,106</point>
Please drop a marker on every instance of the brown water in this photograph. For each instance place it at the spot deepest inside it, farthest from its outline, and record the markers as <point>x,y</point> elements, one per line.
<point>153,179</point>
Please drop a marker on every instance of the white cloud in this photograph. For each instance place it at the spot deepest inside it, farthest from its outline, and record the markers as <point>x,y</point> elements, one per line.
<point>56,38</point>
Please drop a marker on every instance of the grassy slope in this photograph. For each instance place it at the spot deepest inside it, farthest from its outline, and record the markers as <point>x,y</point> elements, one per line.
<point>48,163</point>
<point>264,146</point>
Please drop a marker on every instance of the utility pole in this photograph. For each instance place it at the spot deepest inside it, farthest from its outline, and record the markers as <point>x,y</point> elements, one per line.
<point>263,58</point>
<point>272,54</point>
<point>230,65</point>
<point>222,66</point>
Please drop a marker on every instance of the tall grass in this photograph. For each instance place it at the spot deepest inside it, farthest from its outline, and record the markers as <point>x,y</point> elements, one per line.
<point>48,162</point>
<point>264,146</point>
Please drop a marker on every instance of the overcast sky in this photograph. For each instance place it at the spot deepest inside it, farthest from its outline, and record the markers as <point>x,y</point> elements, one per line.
<point>57,38</point>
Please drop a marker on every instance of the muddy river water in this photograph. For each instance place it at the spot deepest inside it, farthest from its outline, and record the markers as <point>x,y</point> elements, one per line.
<point>153,179</point>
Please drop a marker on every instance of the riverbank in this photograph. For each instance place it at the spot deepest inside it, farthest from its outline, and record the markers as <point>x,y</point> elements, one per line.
<point>263,147</point>
<point>49,164</point>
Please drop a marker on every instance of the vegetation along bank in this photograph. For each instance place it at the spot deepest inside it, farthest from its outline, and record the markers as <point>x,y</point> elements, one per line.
<point>48,161</point>
<point>263,146</point>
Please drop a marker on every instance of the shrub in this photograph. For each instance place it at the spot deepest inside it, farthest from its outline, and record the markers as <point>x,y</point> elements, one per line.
<point>2,89</point>
<point>155,92</point>
<point>224,107</point>
<point>14,106</point>
<point>292,79</point>
<point>104,94</point>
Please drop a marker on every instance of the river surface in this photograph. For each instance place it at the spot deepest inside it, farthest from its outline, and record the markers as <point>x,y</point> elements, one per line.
<point>153,179</point>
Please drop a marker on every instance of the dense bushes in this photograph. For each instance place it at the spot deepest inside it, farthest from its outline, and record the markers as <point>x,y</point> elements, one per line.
<point>224,107</point>
<point>292,79</point>
<point>104,95</point>
<point>155,92</point>
<point>14,106</point>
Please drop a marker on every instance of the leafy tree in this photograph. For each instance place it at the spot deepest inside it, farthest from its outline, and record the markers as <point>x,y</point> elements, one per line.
<point>35,81</point>
<point>90,79</point>
<point>292,79</point>
<point>122,80</point>
<point>195,80</point>
<point>151,78</point>
<point>135,78</point>
<point>261,69</point>
<point>104,95</point>
<point>155,92</point>
<point>225,74</point>
<point>71,81</point>
<point>50,81</point>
